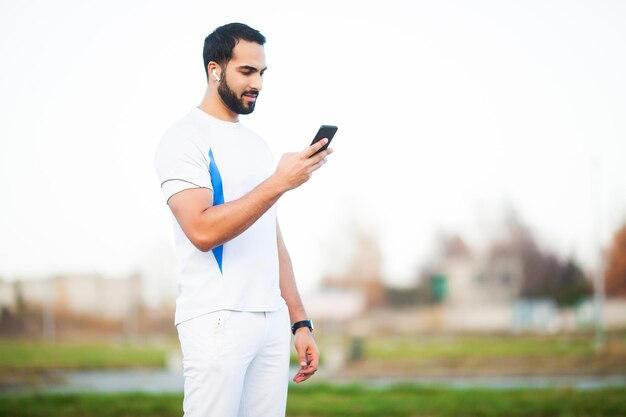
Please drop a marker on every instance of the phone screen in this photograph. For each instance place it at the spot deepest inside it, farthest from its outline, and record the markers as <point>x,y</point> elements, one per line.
<point>325,131</point>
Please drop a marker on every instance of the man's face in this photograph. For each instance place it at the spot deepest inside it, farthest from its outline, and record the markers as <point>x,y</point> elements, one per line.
<point>242,79</point>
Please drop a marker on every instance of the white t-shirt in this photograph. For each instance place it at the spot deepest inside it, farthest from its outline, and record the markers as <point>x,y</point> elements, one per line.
<point>230,159</point>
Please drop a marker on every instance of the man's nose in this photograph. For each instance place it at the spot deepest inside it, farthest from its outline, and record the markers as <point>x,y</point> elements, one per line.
<point>256,82</point>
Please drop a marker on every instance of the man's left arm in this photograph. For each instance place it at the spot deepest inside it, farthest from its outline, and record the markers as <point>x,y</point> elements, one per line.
<point>308,354</point>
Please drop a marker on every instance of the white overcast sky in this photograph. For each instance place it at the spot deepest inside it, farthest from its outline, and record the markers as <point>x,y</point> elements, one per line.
<point>448,112</point>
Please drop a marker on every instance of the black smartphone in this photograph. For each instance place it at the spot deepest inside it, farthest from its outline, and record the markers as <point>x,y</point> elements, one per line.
<point>325,131</point>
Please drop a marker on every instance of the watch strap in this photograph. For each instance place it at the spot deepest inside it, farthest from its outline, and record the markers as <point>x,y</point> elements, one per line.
<point>301,323</point>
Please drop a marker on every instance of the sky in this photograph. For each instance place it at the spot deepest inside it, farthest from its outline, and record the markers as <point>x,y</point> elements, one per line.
<point>449,113</point>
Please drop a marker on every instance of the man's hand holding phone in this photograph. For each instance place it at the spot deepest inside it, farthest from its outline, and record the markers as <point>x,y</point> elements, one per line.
<point>296,168</point>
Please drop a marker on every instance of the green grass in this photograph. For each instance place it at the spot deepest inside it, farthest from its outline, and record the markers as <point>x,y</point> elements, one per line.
<point>34,355</point>
<point>409,400</point>
<point>475,347</point>
<point>344,401</point>
<point>486,354</point>
<point>485,346</point>
<point>39,356</point>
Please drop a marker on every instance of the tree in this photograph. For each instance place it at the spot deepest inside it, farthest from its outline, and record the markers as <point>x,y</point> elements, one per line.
<point>544,274</point>
<point>615,275</point>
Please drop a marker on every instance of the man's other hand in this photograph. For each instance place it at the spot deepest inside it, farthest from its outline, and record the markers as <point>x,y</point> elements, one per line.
<point>308,354</point>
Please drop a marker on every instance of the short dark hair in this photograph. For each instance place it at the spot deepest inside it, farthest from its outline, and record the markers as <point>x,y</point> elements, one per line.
<point>218,46</point>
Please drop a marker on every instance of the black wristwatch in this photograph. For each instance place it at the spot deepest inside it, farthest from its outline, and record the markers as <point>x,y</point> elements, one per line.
<point>301,323</point>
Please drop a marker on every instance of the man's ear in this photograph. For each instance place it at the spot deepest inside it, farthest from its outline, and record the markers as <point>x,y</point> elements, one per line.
<point>214,71</point>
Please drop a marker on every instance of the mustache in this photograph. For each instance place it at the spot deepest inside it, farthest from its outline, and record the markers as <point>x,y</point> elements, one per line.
<point>254,93</point>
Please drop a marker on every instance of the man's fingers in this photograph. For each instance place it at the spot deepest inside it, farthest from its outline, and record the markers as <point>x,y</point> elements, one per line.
<point>314,148</point>
<point>319,159</point>
<point>303,375</point>
<point>302,360</point>
<point>318,165</point>
<point>311,365</point>
<point>300,378</point>
<point>310,369</point>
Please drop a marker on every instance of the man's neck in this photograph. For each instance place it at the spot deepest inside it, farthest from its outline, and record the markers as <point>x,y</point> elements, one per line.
<point>212,104</point>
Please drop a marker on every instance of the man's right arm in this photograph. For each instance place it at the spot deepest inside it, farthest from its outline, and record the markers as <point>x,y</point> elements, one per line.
<point>208,226</point>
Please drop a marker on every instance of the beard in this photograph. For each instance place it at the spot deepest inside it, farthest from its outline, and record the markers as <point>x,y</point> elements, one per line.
<point>234,103</point>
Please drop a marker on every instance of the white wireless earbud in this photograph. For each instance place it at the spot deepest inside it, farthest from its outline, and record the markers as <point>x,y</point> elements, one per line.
<point>215,75</point>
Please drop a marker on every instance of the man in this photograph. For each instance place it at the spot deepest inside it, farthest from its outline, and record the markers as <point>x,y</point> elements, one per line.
<point>237,292</point>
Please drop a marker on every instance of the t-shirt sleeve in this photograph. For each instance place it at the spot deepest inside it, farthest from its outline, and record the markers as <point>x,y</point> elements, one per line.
<point>180,164</point>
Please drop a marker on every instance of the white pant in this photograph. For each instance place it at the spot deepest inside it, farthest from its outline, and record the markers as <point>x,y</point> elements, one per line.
<point>236,364</point>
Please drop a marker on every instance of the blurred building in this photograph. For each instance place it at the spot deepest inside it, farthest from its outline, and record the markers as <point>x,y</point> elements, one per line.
<point>457,277</point>
<point>335,306</point>
<point>362,276</point>
<point>76,306</point>
<point>86,295</point>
